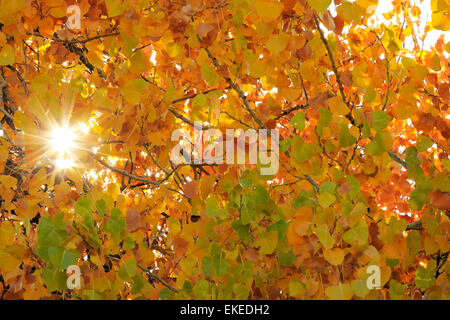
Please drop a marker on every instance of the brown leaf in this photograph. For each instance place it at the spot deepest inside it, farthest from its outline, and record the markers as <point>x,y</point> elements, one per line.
<point>133,220</point>
<point>440,200</point>
<point>190,188</point>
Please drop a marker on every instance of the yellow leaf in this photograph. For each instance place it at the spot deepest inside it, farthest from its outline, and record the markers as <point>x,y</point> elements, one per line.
<point>324,236</point>
<point>6,234</point>
<point>94,57</point>
<point>7,55</point>
<point>319,5</point>
<point>334,256</point>
<point>114,7</point>
<point>404,111</point>
<point>268,10</point>
<point>435,63</point>
<point>10,7</point>
<point>337,106</point>
<point>58,12</point>
<point>37,181</point>
<point>342,291</point>
<point>8,182</point>
<point>440,20</point>
<point>372,253</point>
<point>354,131</point>
<point>132,90</point>
<point>8,262</point>
<point>267,242</point>
<point>301,227</point>
<point>277,43</point>
<point>290,94</point>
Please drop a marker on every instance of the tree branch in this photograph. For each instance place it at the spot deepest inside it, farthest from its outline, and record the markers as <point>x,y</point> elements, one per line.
<point>398,159</point>
<point>292,109</point>
<point>132,176</point>
<point>333,64</point>
<point>416,225</point>
<point>238,91</point>
<point>37,34</point>
<point>157,278</point>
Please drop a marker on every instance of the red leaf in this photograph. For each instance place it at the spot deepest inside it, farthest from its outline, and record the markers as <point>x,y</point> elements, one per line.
<point>440,200</point>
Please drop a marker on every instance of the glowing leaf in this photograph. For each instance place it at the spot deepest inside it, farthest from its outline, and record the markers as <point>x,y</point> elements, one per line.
<point>7,55</point>
<point>319,5</point>
<point>342,291</point>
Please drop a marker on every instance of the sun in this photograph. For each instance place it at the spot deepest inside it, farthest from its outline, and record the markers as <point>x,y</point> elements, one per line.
<point>64,163</point>
<point>62,143</point>
<point>62,140</point>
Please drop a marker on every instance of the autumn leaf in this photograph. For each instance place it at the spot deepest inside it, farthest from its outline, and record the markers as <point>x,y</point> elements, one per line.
<point>350,112</point>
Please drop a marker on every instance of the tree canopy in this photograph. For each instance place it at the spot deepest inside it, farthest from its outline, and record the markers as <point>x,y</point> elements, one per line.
<point>86,178</point>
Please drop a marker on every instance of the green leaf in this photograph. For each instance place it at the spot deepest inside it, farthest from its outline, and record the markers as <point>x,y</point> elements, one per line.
<point>128,244</point>
<point>207,266</point>
<point>260,195</point>
<point>114,7</point>
<point>396,289</point>
<point>92,295</point>
<point>51,232</point>
<point>392,262</point>
<point>164,293</point>
<point>425,277</point>
<point>328,187</point>
<point>248,214</point>
<point>116,224</point>
<point>304,199</point>
<point>138,284</point>
<point>302,151</point>
<point>241,291</point>
<point>54,279</point>
<point>326,199</point>
<point>101,207</point>
<point>201,289</point>
<point>354,184</point>
<point>359,287</point>
<point>397,226</point>
<point>324,236</point>
<point>357,235</point>
<point>296,287</point>
<point>63,258</point>
<point>285,144</point>
<point>83,207</point>
<point>280,227</point>
<point>370,94</point>
<point>298,121</point>
<point>212,207</point>
<point>345,138</point>
<point>210,75</point>
<point>220,265</point>
<point>381,144</point>
<point>342,291</point>
<point>128,269</point>
<point>446,163</point>
<point>380,120</point>
<point>268,242</point>
<point>286,259</point>
<point>325,117</point>
<point>423,143</point>
<point>247,178</point>
<point>187,286</point>
<point>241,228</point>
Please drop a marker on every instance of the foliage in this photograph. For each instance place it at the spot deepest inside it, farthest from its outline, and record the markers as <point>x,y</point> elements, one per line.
<point>364,167</point>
